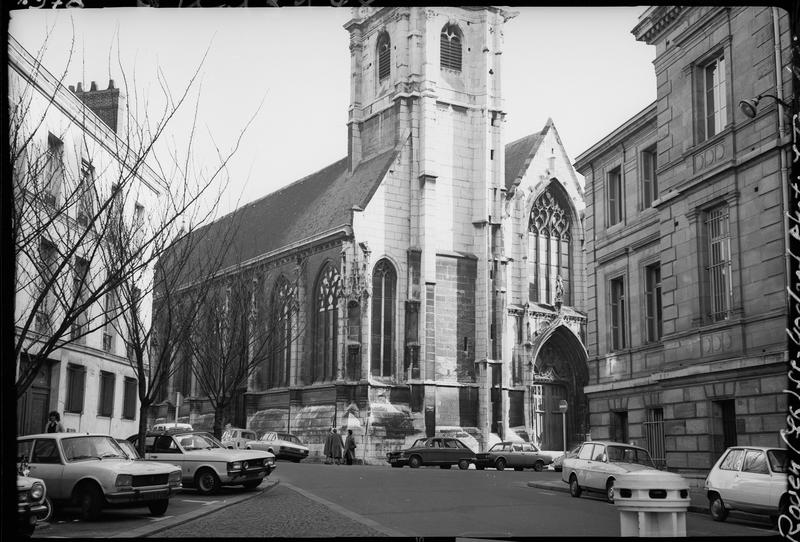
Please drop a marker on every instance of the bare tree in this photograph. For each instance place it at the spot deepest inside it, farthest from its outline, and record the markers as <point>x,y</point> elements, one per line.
<point>237,331</point>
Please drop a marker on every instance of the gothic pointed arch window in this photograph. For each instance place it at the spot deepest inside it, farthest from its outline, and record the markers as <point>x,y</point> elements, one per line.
<point>450,47</point>
<point>384,287</point>
<point>384,56</point>
<point>549,254</point>
<point>326,325</point>
<point>279,357</point>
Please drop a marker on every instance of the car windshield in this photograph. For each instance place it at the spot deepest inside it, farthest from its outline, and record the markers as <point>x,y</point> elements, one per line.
<point>625,454</point>
<point>129,449</point>
<point>419,443</point>
<point>268,436</point>
<point>289,438</point>
<point>197,441</point>
<point>229,435</point>
<point>778,460</point>
<point>91,447</point>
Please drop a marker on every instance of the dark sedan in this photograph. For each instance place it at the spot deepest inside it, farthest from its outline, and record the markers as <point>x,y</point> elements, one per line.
<point>516,455</point>
<point>437,451</point>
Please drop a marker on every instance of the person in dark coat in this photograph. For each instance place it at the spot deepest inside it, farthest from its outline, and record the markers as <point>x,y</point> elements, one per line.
<point>327,449</point>
<point>54,424</point>
<point>336,446</point>
<point>349,447</point>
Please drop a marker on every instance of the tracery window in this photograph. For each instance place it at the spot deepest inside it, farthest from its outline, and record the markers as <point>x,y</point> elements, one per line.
<point>329,288</point>
<point>549,245</point>
<point>450,50</point>
<point>280,355</point>
<point>384,56</point>
<point>384,286</point>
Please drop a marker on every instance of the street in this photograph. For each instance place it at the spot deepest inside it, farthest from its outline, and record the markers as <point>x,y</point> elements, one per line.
<point>317,500</point>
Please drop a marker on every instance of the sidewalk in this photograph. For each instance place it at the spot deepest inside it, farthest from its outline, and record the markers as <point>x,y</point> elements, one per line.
<point>699,501</point>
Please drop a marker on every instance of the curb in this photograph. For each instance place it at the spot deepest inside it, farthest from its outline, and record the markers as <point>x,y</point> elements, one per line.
<point>565,489</point>
<point>148,530</point>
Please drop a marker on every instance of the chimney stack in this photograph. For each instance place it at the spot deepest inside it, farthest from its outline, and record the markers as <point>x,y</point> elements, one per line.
<point>107,104</point>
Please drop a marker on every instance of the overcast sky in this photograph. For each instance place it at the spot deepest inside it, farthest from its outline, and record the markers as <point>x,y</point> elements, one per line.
<point>579,65</point>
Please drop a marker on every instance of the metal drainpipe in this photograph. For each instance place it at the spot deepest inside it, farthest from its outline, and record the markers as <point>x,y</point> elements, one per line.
<point>781,153</point>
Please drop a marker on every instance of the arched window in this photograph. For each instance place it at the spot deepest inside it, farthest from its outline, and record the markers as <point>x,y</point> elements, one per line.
<point>549,248</point>
<point>326,325</point>
<point>384,56</point>
<point>450,51</point>
<point>280,353</point>
<point>384,285</point>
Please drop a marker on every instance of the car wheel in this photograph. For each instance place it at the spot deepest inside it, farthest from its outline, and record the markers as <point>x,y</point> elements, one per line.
<point>717,508</point>
<point>610,490</point>
<point>463,464</point>
<point>500,464</point>
<point>252,484</point>
<point>206,482</point>
<point>538,466</point>
<point>414,462</point>
<point>158,508</point>
<point>91,502</point>
<point>574,488</point>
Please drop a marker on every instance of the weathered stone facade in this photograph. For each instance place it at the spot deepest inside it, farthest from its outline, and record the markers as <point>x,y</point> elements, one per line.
<point>445,288</point>
<point>695,359</point>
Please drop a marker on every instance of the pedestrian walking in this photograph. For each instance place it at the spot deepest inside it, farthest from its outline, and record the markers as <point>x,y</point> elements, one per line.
<point>327,448</point>
<point>336,447</point>
<point>54,424</point>
<point>349,447</point>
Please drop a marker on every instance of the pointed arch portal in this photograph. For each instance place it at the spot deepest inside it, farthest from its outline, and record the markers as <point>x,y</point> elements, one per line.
<point>560,373</point>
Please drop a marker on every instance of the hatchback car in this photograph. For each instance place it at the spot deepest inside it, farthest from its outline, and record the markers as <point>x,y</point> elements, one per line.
<point>444,452</point>
<point>283,445</point>
<point>92,471</point>
<point>750,479</point>
<point>205,463</point>
<point>598,463</point>
<point>516,455</point>
<point>236,437</point>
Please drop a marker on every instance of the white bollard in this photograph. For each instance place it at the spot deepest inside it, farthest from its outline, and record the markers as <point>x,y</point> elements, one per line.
<point>651,503</point>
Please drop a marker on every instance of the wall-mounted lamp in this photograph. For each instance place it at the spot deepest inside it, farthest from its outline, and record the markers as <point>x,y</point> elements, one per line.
<point>750,105</point>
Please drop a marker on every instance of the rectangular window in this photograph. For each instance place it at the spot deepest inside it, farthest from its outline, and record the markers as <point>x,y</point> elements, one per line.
<point>649,181</point>
<point>79,280</point>
<point>618,330</point>
<point>76,379</point>
<point>129,399</point>
<point>54,171</point>
<point>654,435</point>
<point>138,214</point>
<point>47,257</point>
<point>85,207</point>
<point>713,102</point>
<point>718,268</point>
<point>615,196</point>
<point>652,296</point>
<point>110,314</point>
<point>106,406</point>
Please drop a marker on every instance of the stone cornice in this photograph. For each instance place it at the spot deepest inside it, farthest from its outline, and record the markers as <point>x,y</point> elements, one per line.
<point>655,21</point>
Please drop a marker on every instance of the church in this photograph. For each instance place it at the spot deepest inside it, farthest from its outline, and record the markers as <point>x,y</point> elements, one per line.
<point>435,274</point>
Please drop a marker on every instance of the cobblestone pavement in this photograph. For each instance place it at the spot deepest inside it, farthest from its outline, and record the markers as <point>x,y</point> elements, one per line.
<point>279,512</point>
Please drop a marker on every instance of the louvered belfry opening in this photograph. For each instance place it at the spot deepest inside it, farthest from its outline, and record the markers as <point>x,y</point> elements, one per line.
<point>451,48</point>
<point>384,56</point>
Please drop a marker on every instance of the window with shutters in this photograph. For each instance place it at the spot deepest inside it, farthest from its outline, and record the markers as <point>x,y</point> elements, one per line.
<point>79,291</point>
<point>54,172</point>
<point>76,380</point>
<point>618,327</point>
<point>384,284</point>
<point>384,56</point>
<point>652,295</point>
<point>106,406</point>
<point>614,196</point>
<point>129,399</point>
<point>47,277</point>
<point>450,51</point>
<point>649,181</point>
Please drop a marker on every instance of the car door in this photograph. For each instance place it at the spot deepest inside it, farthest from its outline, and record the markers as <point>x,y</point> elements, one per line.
<point>596,468</point>
<point>47,463</point>
<point>753,483</point>
<point>582,463</point>
<point>725,476</point>
<point>433,452</point>
<point>164,448</point>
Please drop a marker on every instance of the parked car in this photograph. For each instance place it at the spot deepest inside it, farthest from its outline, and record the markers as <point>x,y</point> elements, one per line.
<point>92,471</point>
<point>236,437</point>
<point>283,445</point>
<point>750,479</point>
<point>516,455</point>
<point>599,462</point>
<point>32,504</point>
<point>172,427</point>
<point>204,462</point>
<point>455,431</point>
<point>444,452</point>
<point>558,462</point>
